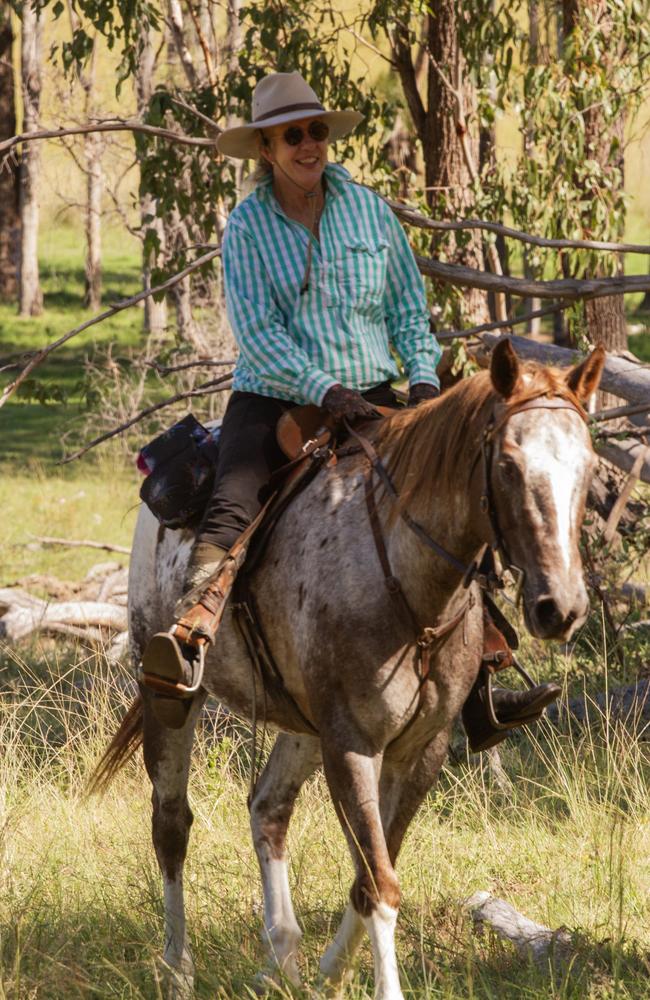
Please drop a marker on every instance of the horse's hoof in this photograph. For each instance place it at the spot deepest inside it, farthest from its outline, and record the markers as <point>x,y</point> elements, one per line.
<point>276,983</point>
<point>178,982</point>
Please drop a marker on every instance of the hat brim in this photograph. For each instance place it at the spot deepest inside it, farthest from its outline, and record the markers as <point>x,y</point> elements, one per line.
<point>243,141</point>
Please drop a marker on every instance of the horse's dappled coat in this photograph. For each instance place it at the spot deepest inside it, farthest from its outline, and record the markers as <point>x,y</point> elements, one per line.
<point>346,655</point>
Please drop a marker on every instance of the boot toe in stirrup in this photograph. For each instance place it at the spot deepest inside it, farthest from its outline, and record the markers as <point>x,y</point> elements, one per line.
<point>169,668</point>
<point>513,710</point>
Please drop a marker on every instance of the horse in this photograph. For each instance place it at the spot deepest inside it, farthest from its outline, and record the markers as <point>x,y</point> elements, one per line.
<point>378,724</point>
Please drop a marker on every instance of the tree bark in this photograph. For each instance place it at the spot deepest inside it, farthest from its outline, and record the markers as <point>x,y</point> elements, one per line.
<point>9,200</point>
<point>31,297</point>
<point>94,189</point>
<point>532,305</point>
<point>445,160</point>
<point>604,143</point>
<point>155,313</point>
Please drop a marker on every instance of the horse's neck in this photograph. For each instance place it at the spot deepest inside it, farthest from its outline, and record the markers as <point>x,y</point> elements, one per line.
<point>429,580</point>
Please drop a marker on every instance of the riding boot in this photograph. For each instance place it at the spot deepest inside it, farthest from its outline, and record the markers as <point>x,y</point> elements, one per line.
<point>510,709</point>
<point>172,662</point>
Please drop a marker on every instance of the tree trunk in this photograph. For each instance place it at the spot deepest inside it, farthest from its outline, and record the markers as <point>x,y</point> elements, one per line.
<point>604,143</point>
<point>532,305</point>
<point>93,146</point>
<point>31,298</point>
<point>9,201</point>
<point>446,169</point>
<point>155,313</point>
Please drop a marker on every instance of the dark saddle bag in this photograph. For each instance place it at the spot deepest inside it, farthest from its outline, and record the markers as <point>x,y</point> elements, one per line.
<point>179,466</point>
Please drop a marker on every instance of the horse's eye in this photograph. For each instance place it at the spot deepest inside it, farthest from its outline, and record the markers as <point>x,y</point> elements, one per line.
<point>507,467</point>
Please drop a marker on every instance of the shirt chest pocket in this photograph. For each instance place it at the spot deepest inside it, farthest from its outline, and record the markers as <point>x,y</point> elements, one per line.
<point>362,264</point>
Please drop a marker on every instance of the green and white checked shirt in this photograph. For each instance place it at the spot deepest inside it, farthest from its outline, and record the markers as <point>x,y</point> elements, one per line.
<point>365,294</point>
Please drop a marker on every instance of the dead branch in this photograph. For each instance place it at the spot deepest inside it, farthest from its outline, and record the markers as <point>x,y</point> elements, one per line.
<point>531,940</point>
<point>620,411</point>
<point>624,455</point>
<point>201,363</point>
<point>75,543</point>
<point>620,376</point>
<point>628,705</point>
<point>571,289</point>
<point>415,218</point>
<point>472,331</point>
<point>24,617</point>
<point>624,496</point>
<point>118,307</point>
<point>108,125</point>
<point>216,385</point>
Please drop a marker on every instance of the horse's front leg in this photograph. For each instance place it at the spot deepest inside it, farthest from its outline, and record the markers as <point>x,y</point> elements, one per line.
<point>167,759</point>
<point>292,760</point>
<point>352,768</point>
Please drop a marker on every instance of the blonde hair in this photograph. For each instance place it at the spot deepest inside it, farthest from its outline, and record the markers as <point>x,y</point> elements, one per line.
<point>259,173</point>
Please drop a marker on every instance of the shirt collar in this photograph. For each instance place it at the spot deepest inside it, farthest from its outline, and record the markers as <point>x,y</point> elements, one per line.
<point>337,178</point>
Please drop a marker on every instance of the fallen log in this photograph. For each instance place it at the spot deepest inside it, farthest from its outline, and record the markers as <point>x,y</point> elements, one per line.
<point>628,705</point>
<point>82,544</point>
<point>532,941</point>
<point>624,455</point>
<point>621,376</point>
<point>566,289</point>
<point>25,615</point>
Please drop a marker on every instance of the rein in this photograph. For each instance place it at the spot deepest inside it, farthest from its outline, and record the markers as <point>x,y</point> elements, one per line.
<point>427,636</point>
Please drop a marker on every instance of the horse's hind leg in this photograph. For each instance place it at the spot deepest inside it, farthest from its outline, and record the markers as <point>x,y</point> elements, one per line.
<point>167,759</point>
<point>293,759</point>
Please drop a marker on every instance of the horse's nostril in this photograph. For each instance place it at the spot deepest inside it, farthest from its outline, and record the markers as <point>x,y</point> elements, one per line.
<point>547,613</point>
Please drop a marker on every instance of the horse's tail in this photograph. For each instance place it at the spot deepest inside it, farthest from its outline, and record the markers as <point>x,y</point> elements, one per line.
<point>120,750</point>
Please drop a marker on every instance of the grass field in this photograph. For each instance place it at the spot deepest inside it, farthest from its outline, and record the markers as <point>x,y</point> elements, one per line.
<point>566,839</point>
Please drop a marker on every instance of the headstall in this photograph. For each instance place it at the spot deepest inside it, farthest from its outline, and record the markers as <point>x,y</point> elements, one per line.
<point>489,581</point>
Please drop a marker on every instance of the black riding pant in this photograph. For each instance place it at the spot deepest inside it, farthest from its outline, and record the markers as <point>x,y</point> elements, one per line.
<point>248,455</point>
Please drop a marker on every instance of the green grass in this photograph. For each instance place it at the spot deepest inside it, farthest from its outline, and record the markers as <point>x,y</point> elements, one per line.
<point>32,430</point>
<point>567,843</point>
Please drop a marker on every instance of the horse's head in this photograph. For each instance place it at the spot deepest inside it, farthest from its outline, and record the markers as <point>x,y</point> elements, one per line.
<point>540,468</point>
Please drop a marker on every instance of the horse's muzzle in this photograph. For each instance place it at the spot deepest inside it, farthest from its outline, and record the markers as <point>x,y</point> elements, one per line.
<point>550,618</point>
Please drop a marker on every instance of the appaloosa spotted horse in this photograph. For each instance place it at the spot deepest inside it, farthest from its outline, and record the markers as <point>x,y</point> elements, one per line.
<point>347,655</point>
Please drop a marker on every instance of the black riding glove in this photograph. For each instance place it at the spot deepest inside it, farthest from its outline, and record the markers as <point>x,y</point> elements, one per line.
<point>421,392</point>
<point>349,403</point>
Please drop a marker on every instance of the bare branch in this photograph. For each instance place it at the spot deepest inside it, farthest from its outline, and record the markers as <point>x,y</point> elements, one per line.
<point>199,114</point>
<point>201,363</point>
<point>472,331</point>
<point>74,543</point>
<point>216,385</point>
<point>414,218</point>
<point>205,48</point>
<point>620,411</point>
<point>373,48</point>
<point>118,307</point>
<point>107,125</point>
<point>570,289</point>
<point>175,24</point>
<point>401,51</point>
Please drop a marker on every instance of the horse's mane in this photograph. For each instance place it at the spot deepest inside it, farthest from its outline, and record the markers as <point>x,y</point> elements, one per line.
<point>432,446</point>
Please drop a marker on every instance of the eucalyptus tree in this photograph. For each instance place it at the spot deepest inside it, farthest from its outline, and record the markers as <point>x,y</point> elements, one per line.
<point>9,212</point>
<point>31,296</point>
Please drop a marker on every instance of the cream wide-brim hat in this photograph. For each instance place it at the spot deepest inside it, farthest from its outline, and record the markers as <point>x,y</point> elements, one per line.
<point>278,99</point>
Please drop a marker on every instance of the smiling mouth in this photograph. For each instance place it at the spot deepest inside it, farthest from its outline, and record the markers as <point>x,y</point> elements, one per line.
<point>311,161</point>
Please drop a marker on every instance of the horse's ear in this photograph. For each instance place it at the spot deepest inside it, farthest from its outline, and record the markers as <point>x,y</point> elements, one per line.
<point>504,368</point>
<point>585,377</point>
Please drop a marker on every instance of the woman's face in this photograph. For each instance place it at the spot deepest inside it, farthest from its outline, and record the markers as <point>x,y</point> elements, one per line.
<point>303,163</point>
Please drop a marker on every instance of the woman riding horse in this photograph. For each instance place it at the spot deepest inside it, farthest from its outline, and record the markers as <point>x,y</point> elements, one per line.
<point>321,284</point>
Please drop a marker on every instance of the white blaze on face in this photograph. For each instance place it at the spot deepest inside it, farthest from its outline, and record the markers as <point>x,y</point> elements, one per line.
<point>554,465</point>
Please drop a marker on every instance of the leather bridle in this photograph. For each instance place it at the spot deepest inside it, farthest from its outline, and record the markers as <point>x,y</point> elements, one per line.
<point>487,502</point>
<point>489,581</point>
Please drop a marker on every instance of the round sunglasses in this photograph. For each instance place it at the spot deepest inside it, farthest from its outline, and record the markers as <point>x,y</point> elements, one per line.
<point>318,131</point>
